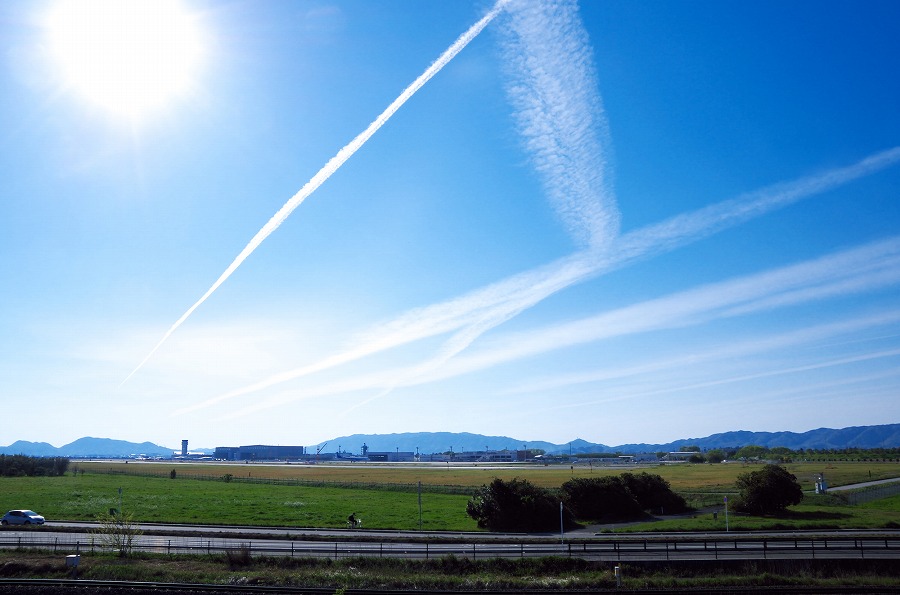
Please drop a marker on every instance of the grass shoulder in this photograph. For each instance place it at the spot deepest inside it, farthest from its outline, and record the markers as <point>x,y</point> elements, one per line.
<point>816,512</point>
<point>451,573</point>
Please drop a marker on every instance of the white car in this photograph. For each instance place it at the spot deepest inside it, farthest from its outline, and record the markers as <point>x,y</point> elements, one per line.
<point>22,517</point>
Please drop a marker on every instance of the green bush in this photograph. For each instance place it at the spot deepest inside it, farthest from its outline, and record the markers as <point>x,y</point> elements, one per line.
<point>654,493</point>
<point>595,498</point>
<point>517,506</point>
<point>768,491</point>
<point>622,497</point>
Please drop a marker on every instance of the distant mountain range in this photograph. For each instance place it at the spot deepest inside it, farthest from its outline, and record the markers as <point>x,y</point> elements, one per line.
<point>883,436</point>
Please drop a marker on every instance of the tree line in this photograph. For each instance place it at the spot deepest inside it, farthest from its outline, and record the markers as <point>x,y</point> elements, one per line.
<point>519,506</point>
<point>25,466</point>
<point>782,454</point>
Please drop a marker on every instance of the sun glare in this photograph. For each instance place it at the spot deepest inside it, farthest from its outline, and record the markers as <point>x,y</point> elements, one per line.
<point>128,56</point>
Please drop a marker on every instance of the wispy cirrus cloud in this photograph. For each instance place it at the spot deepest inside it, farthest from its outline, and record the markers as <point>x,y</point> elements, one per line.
<point>559,113</point>
<point>862,269</point>
<point>696,225</point>
<point>818,391</point>
<point>771,343</point>
<point>506,298</point>
<point>608,375</point>
<point>865,268</point>
<point>552,87</point>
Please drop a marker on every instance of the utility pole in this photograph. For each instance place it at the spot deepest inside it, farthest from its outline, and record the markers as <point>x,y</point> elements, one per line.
<point>561,529</point>
<point>726,514</point>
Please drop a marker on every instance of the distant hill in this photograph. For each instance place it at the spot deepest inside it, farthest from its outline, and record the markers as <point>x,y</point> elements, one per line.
<point>106,447</point>
<point>34,449</point>
<point>87,447</point>
<point>883,436</point>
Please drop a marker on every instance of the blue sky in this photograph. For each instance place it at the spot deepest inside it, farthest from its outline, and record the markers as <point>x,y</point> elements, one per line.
<point>620,221</point>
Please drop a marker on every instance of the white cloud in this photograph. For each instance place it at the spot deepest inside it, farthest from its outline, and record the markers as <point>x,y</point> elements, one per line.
<point>553,90</point>
<point>333,164</point>
<point>870,267</point>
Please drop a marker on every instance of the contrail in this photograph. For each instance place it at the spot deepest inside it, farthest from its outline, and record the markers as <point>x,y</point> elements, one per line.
<point>639,245</point>
<point>332,166</point>
<point>862,269</point>
<point>789,340</point>
<point>865,268</point>
<point>559,111</point>
<point>509,297</point>
<point>552,86</point>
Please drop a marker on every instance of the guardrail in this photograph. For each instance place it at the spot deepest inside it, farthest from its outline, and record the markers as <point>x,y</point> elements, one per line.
<point>317,483</point>
<point>601,550</point>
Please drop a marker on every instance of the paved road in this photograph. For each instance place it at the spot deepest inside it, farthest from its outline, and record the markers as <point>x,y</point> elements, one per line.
<point>312,534</point>
<point>341,544</point>
<point>856,486</point>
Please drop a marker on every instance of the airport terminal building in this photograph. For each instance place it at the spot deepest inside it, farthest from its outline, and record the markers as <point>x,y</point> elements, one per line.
<point>259,452</point>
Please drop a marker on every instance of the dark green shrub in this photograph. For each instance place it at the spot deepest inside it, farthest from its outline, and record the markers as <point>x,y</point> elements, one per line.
<point>595,498</point>
<point>768,491</point>
<point>622,497</point>
<point>654,493</point>
<point>517,506</point>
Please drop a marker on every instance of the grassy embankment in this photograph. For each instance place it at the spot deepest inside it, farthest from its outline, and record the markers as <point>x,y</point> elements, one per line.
<point>453,574</point>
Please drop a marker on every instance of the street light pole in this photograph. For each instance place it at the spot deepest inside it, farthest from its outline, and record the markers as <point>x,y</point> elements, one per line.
<point>561,529</point>
<point>726,514</point>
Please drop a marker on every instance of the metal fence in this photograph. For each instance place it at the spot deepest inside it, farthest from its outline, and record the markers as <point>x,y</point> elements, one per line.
<point>605,550</point>
<point>393,487</point>
<point>870,493</point>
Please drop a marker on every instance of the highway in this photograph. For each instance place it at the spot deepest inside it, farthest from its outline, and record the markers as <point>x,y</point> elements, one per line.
<point>70,538</point>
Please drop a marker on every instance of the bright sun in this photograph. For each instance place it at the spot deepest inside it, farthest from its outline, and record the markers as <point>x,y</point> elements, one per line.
<point>128,56</point>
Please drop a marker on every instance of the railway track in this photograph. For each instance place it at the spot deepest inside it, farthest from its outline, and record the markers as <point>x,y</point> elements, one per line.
<point>90,587</point>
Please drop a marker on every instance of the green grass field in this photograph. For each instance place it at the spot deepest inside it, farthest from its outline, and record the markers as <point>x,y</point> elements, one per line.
<point>165,500</point>
<point>93,491</point>
<point>703,478</point>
